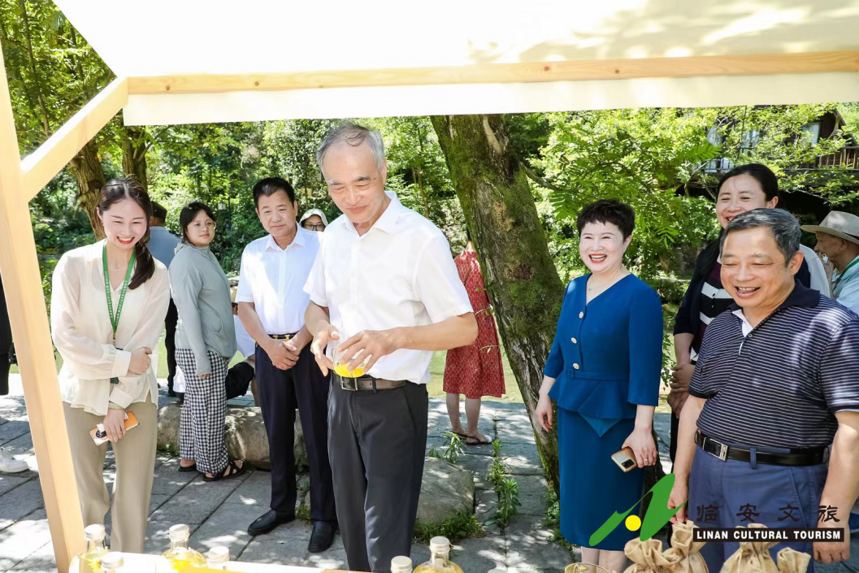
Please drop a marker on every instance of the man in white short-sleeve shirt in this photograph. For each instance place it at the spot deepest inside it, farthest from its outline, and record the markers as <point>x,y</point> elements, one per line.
<point>385,292</point>
<point>272,303</point>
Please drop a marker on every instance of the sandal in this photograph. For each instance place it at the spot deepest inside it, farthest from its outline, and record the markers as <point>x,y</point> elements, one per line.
<point>232,470</point>
<point>461,434</point>
<point>478,440</point>
<point>191,468</point>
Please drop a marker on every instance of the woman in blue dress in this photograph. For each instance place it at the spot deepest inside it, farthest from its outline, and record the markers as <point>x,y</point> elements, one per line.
<point>603,371</point>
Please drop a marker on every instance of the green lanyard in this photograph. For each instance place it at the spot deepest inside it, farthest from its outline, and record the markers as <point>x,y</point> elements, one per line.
<point>114,321</point>
<point>841,276</point>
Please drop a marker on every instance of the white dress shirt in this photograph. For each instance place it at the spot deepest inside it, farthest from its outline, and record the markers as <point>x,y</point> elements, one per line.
<point>81,329</point>
<point>244,342</point>
<point>398,274</point>
<point>272,279</point>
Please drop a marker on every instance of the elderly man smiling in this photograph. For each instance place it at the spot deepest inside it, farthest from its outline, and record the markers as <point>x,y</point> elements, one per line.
<point>774,394</point>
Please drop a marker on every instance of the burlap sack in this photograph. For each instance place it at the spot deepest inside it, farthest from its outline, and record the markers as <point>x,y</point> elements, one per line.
<point>793,561</point>
<point>685,553</point>
<point>646,557</point>
<point>752,556</point>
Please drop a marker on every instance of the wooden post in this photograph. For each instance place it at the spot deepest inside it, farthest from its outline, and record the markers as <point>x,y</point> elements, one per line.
<point>23,285</point>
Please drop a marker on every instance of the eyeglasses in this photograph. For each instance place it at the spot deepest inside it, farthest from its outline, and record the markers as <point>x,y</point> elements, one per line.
<point>316,227</point>
<point>210,226</point>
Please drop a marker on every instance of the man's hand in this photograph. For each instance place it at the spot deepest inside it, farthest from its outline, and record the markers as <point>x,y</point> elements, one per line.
<point>114,424</point>
<point>367,347</point>
<point>544,412</point>
<point>282,353</point>
<point>833,551</point>
<point>679,496</point>
<point>140,362</point>
<point>324,335</point>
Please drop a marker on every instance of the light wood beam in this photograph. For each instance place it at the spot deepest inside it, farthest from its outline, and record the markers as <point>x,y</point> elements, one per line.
<point>525,72</point>
<point>23,285</point>
<point>52,156</point>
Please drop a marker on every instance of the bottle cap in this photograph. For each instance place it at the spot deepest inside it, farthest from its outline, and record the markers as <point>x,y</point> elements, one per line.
<point>401,563</point>
<point>218,555</point>
<point>112,560</point>
<point>94,532</point>
<point>180,532</point>
<point>439,544</point>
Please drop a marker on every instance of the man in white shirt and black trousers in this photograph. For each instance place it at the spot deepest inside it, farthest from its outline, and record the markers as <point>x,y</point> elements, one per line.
<point>384,289</point>
<point>271,308</point>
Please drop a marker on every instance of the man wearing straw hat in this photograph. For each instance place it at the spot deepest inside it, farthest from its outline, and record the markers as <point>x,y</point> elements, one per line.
<point>838,240</point>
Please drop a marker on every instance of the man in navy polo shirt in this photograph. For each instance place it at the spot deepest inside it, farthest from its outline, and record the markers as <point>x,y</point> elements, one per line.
<point>775,394</point>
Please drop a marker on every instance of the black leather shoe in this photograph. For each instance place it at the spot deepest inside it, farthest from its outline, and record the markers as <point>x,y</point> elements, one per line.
<point>268,521</point>
<point>322,537</point>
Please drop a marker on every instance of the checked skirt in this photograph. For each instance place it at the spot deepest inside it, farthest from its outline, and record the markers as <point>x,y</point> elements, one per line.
<point>201,426</point>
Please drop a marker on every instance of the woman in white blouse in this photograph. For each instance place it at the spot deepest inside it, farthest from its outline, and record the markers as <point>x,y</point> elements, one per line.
<point>108,306</point>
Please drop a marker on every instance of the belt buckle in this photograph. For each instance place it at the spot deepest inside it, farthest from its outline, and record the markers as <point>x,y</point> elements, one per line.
<point>350,384</point>
<point>723,450</point>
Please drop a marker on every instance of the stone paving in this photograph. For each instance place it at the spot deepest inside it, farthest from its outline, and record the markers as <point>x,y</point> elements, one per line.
<point>219,513</point>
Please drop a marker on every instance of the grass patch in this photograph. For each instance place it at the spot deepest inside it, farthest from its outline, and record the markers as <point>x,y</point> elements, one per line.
<point>455,528</point>
<point>451,450</point>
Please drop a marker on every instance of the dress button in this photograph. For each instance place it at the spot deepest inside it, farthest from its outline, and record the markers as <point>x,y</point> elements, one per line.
<point>576,366</point>
<point>574,341</point>
<point>581,315</point>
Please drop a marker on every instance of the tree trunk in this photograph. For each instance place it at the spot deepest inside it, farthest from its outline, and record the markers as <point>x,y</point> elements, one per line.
<point>132,140</point>
<point>87,169</point>
<point>520,275</point>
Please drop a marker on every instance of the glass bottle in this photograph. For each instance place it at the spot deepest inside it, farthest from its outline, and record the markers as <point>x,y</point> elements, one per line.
<point>401,564</point>
<point>180,555</point>
<point>112,562</point>
<point>439,558</point>
<point>218,558</point>
<point>90,560</point>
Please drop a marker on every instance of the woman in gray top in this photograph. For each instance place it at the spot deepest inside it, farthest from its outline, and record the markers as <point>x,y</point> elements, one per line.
<point>205,343</point>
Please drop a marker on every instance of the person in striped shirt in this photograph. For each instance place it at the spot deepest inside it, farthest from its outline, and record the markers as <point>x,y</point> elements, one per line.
<point>773,396</point>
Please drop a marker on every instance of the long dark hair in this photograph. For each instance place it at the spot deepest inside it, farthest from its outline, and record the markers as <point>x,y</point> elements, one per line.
<point>769,185</point>
<point>189,213</point>
<point>117,190</point>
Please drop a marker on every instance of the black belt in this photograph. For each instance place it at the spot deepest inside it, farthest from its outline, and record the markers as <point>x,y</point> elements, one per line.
<point>367,383</point>
<point>796,457</point>
<point>279,337</point>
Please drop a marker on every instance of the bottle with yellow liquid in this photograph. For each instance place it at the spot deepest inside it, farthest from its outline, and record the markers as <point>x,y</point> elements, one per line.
<point>180,555</point>
<point>90,560</point>
<point>439,558</point>
<point>113,562</point>
<point>401,564</point>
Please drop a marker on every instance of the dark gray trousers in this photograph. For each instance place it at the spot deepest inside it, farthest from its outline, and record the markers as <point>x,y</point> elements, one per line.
<point>377,442</point>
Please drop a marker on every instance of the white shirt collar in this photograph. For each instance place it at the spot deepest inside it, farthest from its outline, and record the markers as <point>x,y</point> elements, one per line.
<point>387,222</point>
<point>298,240</point>
<point>747,326</point>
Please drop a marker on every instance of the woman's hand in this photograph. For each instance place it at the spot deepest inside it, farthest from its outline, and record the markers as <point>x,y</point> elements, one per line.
<point>643,446</point>
<point>140,362</point>
<point>114,424</point>
<point>544,412</point>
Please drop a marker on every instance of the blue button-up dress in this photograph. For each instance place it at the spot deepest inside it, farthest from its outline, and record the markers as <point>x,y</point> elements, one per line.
<point>606,358</point>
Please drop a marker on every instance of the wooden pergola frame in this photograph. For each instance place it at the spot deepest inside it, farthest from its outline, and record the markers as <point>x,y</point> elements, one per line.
<point>21,180</point>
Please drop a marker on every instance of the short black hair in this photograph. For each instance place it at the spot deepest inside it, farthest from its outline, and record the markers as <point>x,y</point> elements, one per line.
<point>611,211</point>
<point>271,185</point>
<point>159,212</point>
<point>189,213</point>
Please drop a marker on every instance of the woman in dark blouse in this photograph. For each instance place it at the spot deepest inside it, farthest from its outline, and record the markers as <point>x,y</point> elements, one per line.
<point>603,371</point>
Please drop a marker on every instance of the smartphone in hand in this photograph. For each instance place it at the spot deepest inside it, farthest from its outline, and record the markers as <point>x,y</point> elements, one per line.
<point>99,435</point>
<point>625,459</point>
